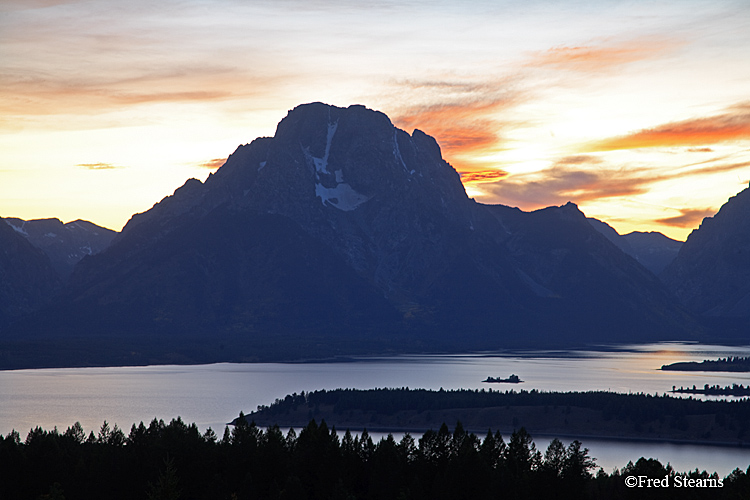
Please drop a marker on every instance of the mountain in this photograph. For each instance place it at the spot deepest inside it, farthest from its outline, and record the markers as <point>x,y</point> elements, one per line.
<point>64,244</point>
<point>343,234</point>
<point>27,279</point>
<point>711,274</point>
<point>652,250</point>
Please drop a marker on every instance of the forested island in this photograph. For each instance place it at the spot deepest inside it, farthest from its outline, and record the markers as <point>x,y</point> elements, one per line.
<point>577,414</point>
<point>728,364</point>
<point>177,461</point>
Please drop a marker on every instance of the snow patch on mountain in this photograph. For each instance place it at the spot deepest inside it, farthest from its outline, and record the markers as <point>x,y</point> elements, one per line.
<point>18,229</point>
<point>397,151</point>
<point>343,196</point>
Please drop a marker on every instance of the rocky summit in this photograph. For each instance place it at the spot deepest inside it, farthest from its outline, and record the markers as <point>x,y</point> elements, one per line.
<point>343,234</point>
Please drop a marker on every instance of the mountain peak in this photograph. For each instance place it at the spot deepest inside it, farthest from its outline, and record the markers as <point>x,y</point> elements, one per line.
<point>326,159</point>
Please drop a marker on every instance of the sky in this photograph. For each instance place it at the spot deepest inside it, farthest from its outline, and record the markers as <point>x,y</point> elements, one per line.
<point>637,111</point>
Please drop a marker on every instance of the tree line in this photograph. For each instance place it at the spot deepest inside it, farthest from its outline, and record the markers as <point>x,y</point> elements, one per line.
<point>737,390</point>
<point>176,461</point>
<point>633,407</point>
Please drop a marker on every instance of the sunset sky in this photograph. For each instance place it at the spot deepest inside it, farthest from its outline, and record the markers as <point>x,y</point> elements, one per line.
<point>637,111</point>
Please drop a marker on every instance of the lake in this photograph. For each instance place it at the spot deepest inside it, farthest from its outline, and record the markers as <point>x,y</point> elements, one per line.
<point>211,395</point>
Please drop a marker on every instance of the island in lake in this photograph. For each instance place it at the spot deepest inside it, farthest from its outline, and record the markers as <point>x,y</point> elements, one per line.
<point>513,379</point>
<point>579,414</point>
<point>728,364</point>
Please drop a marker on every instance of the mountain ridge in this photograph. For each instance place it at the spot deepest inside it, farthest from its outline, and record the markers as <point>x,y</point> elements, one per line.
<point>64,244</point>
<point>711,273</point>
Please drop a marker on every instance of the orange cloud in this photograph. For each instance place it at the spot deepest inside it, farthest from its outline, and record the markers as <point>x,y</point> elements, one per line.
<point>463,116</point>
<point>458,128</point>
<point>732,126</point>
<point>689,217</point>
<point>480,177</point>
<point>213,164</point>
<point>596,58</point>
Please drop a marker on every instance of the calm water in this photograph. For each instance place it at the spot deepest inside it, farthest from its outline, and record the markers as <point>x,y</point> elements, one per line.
<point>211,395</point>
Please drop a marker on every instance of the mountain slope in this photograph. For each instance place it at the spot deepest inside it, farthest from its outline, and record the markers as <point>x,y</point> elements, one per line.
<point>711,274</point>
<point>27,279</point>
<point>588,288</point>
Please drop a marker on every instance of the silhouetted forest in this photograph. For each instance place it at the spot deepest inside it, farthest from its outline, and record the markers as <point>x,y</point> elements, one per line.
<point>176,460</point>
<point>634,406</point>
<point>715,390</point>
<point>603,414</point>
<point>728,364</point>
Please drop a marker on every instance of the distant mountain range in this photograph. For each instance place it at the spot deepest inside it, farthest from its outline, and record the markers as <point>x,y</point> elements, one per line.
<point>341,235</point>
<point>64,244</point>
<point>652,250</point>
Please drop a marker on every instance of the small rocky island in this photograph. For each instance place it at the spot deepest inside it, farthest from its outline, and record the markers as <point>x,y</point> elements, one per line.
<point>513,379</point>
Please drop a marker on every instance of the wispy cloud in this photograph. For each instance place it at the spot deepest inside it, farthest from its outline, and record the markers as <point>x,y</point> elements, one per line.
<point>713,169</point>
<point>462,127</point>
<point>212,164</point>
<point>689,217</point>
<point>98,166</point>
<point>470,117</point>
<point>584,178</point>
<point>459,127</point>
<point>598,57</point>
<point>49,96</point>
<point>578,160</point>
<point>465,117</point>
<point>734,125</point>
<point>559,184</point>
